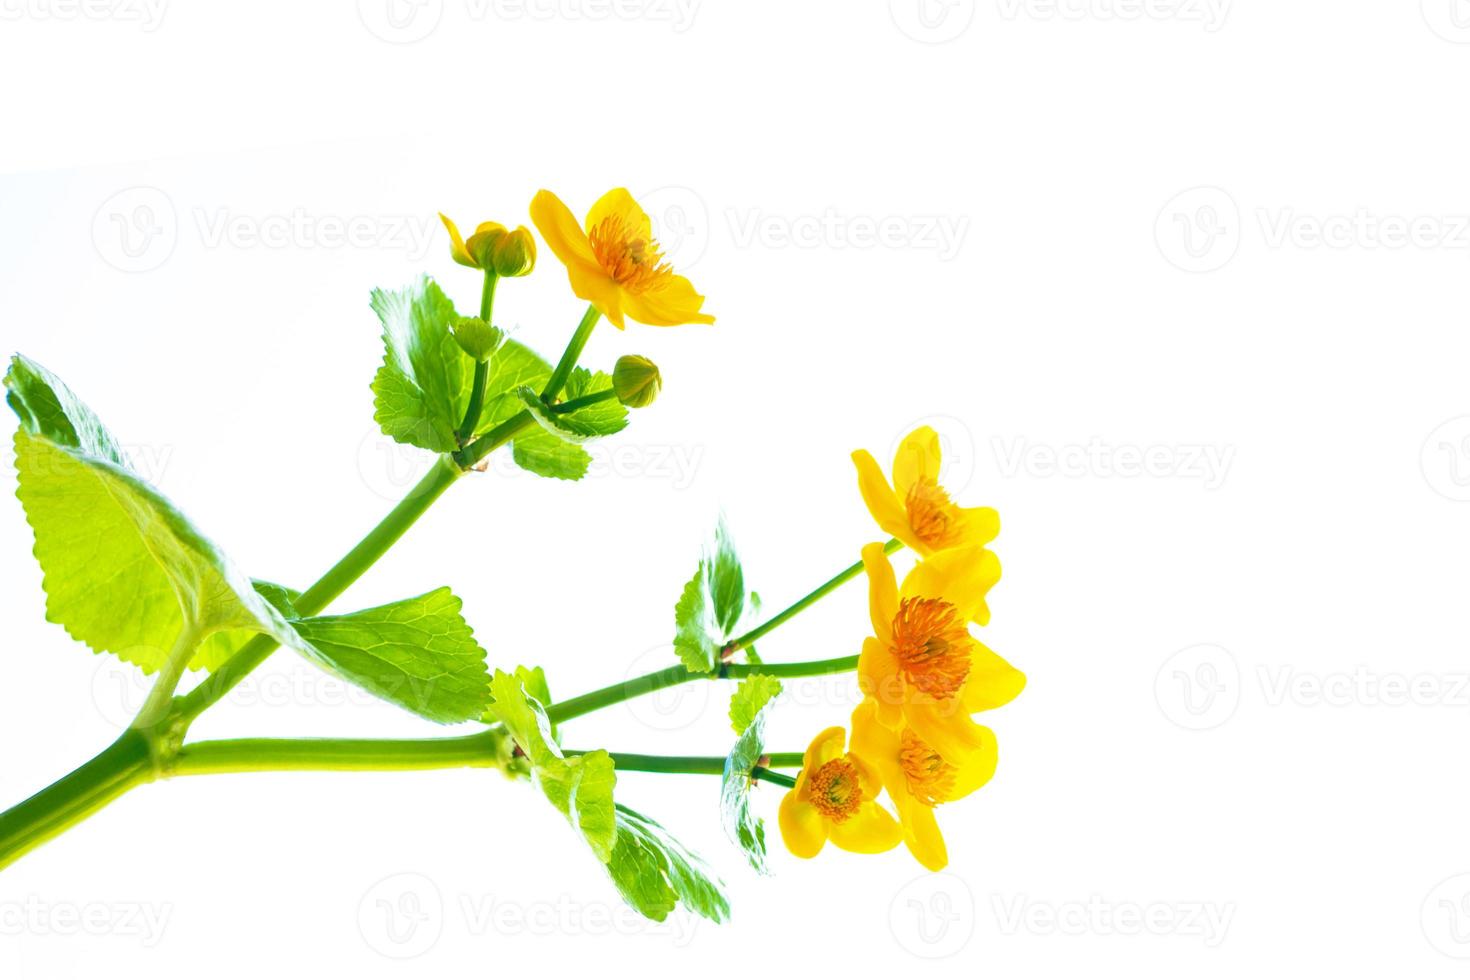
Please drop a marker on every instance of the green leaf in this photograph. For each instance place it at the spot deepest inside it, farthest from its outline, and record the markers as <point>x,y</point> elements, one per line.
<point>711,606</point>
<point>581,787</point>
<point>583,424</point>
<point>225,644</point>
<point>120,564</point>
<point>423,388</point>
<point>538,451</point>
<point>744,828</point>
<point>516,366</point>
<point>654,872</point>
<point>753,694</point>
<point>418,653</point>
<point>693,623</point>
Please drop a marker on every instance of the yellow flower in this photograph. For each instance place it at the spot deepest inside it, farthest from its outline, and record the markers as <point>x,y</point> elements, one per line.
<point>915,508</point>
<point>918,778</point>
<point>835,798</point>
<point>615,264</point>
<point>493,248</point>
<point>921,666</point>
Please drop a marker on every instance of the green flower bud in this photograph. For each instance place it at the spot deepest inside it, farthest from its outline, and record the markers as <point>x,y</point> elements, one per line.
<point>476,337</point>
<point>636,380</point>
<point>513,253</point>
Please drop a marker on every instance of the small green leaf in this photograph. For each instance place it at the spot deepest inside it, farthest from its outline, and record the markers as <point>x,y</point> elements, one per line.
<point>538,451</point>
<point>581,787</point>
<point>753,694</point>
<point>121,565</point>
<point>516,366</point>
<point>654,872</point>
<point>744,828</point>
<point>711,605</point>
<point>693,623</point>
<point>423,388</point>
<point>418,653</point>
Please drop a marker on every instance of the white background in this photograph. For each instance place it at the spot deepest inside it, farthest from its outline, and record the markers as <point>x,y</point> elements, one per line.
<point>1228,240</point>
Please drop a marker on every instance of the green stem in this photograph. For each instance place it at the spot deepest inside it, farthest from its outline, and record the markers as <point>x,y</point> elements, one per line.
<point>573,404</point>
<point>155,708</point>
<point>493,440</point>
<point>570,356</point>
<point>679,674</point>
<point>482,750</point>
<point>820,592</point>
<point>482,368</point>
<point>709,765</point>
<point>784,760</point>
<point>128,762</point>
<point>331,585</point>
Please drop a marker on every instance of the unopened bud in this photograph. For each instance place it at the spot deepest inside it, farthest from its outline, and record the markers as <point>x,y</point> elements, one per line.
<point>636,380</point>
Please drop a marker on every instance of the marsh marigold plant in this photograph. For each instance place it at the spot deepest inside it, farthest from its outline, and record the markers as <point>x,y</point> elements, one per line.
<point>128,575</point>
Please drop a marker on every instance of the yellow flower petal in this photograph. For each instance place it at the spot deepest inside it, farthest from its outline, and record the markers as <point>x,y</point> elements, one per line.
<point>882,592</point>
<point>978,525</point>
<point>879,681</point>
<point>566,240</point>
<point>947,729</point>
<point>596,287</point>
<point>457,250</point>
<point>885,506</point>
<point>976,768</point>
<point>803,829</point>
<point>917,457</point>
<point>871,830</point>
<point>618,203</point>
<point>960,576</point>
<point>670,304</point>
<point>828,745</point>
<point>921,834</point>
<point>992,681</point>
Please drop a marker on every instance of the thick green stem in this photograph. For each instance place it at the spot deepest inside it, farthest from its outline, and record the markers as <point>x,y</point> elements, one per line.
<point>482,750</point>
<point>128,762</point>
<point>482,368</point>
<point>570,356</point>
<point>709,765</point>
<point>670,676</point>
<point>820,592</point>
<point>341,575</point>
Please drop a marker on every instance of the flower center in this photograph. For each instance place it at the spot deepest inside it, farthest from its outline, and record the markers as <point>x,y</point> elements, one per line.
<point>634,262</point>
<point>932,645</point>
<point>930,778</point>
<point>931,514</point>
<point>836,791</point>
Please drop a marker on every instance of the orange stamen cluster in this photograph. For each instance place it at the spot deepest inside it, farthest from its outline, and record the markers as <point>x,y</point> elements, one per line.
<point>932,645</point>
<point>930,779</point>
<point>932,515</point>
<point>836,790</point>
<point>632,260</point>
